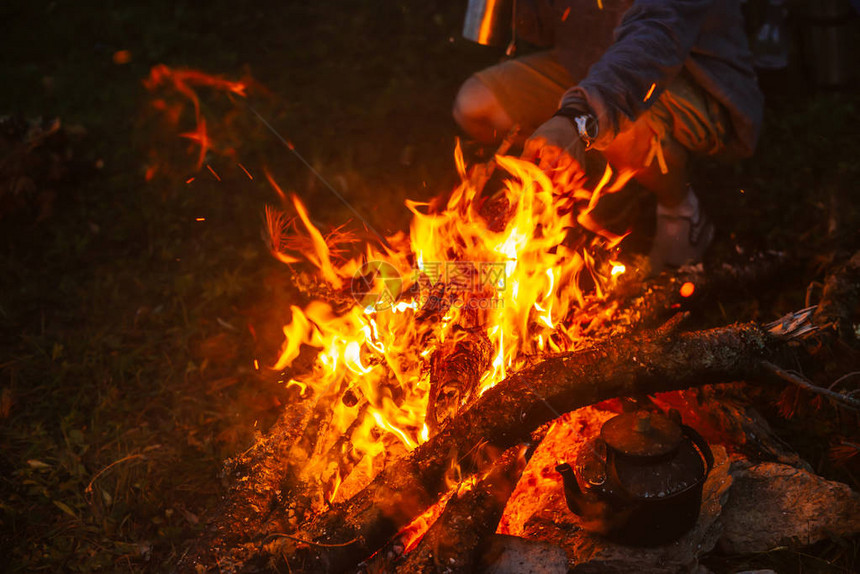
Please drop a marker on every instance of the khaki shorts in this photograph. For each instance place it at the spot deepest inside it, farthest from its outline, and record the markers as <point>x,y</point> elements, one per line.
<point>530,89</point>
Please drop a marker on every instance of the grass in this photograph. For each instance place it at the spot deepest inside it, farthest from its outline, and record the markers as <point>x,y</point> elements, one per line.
<point>129,328</point>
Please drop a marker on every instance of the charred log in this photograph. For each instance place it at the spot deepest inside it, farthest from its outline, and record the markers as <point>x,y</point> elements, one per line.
<point>250,502</point>
<point>453,543</point>
<point>650,303</point>
<point>455,372</point>
<point>507,412</point>
<point>646,364</point>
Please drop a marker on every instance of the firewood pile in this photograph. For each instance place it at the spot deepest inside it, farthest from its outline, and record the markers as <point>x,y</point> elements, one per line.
<point>503,509</point>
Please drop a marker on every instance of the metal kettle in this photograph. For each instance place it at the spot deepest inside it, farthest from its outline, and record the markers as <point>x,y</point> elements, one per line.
<point>640,483</point>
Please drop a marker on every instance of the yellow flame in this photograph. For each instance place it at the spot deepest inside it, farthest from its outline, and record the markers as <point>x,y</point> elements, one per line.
<point>520,284</point>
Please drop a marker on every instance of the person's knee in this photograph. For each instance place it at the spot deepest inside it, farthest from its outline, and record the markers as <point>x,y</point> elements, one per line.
<point>471,102</point>
<point>478,112</point>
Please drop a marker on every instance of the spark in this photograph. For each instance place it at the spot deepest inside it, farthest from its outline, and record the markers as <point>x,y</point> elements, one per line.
<point>650,92</point>
<point>209,167</point>
<point>248,173</point>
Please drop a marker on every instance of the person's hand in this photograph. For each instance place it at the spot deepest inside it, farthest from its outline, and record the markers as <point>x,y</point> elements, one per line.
<point>556,147</point>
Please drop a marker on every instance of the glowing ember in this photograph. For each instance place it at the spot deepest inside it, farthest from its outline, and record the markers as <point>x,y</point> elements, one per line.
<point>687,289</point>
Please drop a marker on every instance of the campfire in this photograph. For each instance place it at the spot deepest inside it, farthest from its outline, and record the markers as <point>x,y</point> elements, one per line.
<point>441,375</point>
<point>409,334</point>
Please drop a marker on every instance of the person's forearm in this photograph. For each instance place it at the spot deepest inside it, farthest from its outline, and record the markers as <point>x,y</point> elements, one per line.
<point>652,43</point>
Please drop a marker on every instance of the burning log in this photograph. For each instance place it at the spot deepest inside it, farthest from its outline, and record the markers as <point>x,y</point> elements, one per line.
<point>455,371</point>
<point>649,303</point>
<point>500,478</point>
<point>660,361</point>
<point>507,412</point>
<point>453,543</point>
<point>251,500</point>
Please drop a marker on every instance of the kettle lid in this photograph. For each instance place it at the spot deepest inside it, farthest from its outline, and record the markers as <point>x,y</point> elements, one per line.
<point>642,434</point>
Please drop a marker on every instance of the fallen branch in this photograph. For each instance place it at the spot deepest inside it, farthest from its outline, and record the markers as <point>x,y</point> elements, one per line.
<point>650,302</point>
<point>455,372</point>
<point>453,542</point>
<point>517,405</point>
<point>645,364</point>
<point>839,398</point>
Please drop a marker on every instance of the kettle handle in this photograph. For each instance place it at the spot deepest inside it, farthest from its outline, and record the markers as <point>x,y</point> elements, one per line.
<point>702,445</point>
<point>691,433</point>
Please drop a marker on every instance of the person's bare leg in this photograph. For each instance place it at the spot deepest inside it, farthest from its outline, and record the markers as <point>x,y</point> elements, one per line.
<point>480,114</point>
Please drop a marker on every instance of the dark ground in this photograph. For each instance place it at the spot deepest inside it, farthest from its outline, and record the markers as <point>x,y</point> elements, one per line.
<point>128,329</point>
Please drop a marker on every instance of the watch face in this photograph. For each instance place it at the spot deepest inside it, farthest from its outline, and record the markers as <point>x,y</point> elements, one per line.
<point>586,125</point>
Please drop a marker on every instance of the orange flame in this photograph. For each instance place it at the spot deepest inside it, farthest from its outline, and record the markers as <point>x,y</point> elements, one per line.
<point>519,284</point>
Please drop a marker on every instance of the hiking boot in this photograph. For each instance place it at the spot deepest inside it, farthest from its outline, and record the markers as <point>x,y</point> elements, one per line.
<point>680,239</point>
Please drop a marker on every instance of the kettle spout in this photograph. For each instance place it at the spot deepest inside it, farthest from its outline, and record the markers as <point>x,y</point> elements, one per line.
<point>572,493</point>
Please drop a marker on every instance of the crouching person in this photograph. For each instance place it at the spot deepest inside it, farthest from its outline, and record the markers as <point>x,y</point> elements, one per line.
<point>649,84</point>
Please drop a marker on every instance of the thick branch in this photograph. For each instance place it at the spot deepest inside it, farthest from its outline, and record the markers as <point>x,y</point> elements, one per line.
<point>507,412</point>
<point>653,300</point>
<point>453,543</point>
<point>841,299</point>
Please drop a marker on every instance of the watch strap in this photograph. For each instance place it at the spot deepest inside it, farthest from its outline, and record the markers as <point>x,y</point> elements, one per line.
<point>584,122</point>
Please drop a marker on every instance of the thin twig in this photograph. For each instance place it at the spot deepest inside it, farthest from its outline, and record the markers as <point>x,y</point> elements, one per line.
<point>311,542</point>
<point>843,378</point>
<point>111,465</point>
<point>846,401</point>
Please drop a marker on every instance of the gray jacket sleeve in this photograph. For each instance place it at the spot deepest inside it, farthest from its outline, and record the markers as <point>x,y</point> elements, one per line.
<point>651,45</point>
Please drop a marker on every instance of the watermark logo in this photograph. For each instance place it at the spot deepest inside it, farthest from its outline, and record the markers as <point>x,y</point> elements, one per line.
<point>437,285</point>
<point>376,285</point>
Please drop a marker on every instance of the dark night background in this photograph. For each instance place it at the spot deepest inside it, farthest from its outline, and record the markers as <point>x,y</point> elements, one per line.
<point>128,329</point>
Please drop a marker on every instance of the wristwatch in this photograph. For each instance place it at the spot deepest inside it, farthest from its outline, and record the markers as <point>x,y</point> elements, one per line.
<point>585,123</point>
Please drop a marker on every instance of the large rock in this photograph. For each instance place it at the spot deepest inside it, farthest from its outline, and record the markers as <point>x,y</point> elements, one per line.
<point>773,504</point>
<point>512,555</point>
